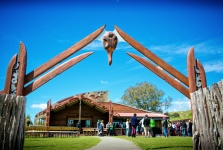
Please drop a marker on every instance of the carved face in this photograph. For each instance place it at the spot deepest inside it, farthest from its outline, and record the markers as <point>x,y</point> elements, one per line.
<point>110,41</point>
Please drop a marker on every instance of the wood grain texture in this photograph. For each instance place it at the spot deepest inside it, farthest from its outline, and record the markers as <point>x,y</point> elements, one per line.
<point>207,107</point>
<point>65,54</point>
<point>12,128</point>
<point>22,69</point>
<point>153,57</point>
<point>162,75</point>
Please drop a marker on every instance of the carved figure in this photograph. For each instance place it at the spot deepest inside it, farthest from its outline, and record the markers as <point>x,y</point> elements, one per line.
<point>110,41</point>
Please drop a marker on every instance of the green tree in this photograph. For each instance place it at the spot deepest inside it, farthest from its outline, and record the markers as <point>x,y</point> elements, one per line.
<point>28,120</point>
<point>175,115</point>
<point>146,96</point>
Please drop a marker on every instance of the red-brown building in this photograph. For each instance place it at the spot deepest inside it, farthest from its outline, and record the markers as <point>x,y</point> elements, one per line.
<point>88,108</point>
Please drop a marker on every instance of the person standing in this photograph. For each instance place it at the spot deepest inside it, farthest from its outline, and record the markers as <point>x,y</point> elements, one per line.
<point>165,126</point>
<point>101,128</point>
<point>146,123</point>
<point>98,124</point>
<point>152,127</point>
<point>178,129</point>
<point>111,130</point>
<point>142,125</point>
<point>127,127</point>
<point>108,128</point>
<point>134,124</point>
<point>190,128</point>
<point>184,127</point>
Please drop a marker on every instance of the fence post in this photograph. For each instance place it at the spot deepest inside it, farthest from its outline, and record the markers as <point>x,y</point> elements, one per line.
<point>12,121</point>
<point>207,107</point>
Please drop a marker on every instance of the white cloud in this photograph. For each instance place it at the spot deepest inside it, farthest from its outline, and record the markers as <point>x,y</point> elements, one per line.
<point>214,66</point>
<point>104,82</point>
<point>117,100</point>
<point>213,46</point>
<point>135,68</point>
<point>39,106</point>
<point>95,45</point>
<point>130,61</point>
<point>180,105</point>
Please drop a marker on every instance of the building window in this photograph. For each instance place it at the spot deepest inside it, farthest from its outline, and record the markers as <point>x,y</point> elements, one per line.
<point>70,123</point>
<point>88,123</point>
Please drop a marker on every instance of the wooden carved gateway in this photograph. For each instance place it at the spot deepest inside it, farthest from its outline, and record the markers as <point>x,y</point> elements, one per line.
<point>17,66</point>
<point>21,84</point>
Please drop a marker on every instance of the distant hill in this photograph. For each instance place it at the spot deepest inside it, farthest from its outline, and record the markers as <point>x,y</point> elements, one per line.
<point>180,115</point>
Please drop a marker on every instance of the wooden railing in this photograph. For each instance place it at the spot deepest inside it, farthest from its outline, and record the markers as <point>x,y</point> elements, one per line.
<point>51,131</point>
<point>52,128</point>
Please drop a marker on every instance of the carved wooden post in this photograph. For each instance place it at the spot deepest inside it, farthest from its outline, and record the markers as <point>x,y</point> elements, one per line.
<point>12,121</point>
<point>111,112</point>
<point>48,109</point>
<point>207,106</point>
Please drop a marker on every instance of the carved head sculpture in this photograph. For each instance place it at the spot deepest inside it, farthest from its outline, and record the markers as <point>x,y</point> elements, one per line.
<point>110,41</point>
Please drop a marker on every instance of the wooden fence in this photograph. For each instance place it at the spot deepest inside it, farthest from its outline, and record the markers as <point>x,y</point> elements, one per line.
<point>207,107</point>
<point>12,121</point>
<point>51,131</point>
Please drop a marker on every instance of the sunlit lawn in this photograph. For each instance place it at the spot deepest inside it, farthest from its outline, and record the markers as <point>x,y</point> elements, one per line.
<point>75,143</point>
<point>85,142</point>
<point>170,143</point>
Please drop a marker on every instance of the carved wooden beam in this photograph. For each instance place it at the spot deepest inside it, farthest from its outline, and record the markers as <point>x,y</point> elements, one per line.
<point>59,69</point>
<point>22,69</point>
<point>11,65</point>
<point>153,57</point>
<point>38,71</point>
<point>202,74</point>
<point>162,75</point>
<point>191,70</point>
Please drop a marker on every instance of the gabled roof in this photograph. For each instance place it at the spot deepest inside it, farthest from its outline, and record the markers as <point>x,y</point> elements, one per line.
<point>99,100</point>
<point>73,100</point>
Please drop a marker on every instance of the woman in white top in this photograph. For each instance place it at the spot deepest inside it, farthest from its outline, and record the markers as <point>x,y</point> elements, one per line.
<point>142,126</point>
<point>127,127</point>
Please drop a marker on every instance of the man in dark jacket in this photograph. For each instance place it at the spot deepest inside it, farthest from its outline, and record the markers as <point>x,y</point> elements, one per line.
<point>184,127</point>
<point>189,128</point>
<point>146,123</point>
<point>134,124</point>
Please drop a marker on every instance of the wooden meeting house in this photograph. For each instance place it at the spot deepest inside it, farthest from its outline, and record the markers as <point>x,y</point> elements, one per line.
<point>88,108</point>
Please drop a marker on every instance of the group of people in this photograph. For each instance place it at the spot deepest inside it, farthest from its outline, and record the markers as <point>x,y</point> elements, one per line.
<point>109,128</point>
<point>146,126</point>
<point>179,129</point>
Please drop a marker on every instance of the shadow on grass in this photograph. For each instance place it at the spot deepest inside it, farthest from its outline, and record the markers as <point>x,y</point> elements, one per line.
<point>172,147</point>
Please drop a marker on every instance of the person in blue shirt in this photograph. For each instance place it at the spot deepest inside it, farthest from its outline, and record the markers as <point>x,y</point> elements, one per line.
<point>134,124</point>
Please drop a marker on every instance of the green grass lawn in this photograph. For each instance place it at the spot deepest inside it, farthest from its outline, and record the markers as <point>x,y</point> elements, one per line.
<point>170,143</point>
<point>85,142</point>
<point>79,143</point>
<point>187,114</point>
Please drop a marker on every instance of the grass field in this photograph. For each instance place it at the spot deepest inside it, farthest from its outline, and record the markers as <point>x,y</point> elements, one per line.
<point>76,143</point>
<point>182,115</point>
<point>170,143</point>
<point>85,142</point>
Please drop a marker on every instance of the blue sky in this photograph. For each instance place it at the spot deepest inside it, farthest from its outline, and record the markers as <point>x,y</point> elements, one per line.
<point>168,29</point>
